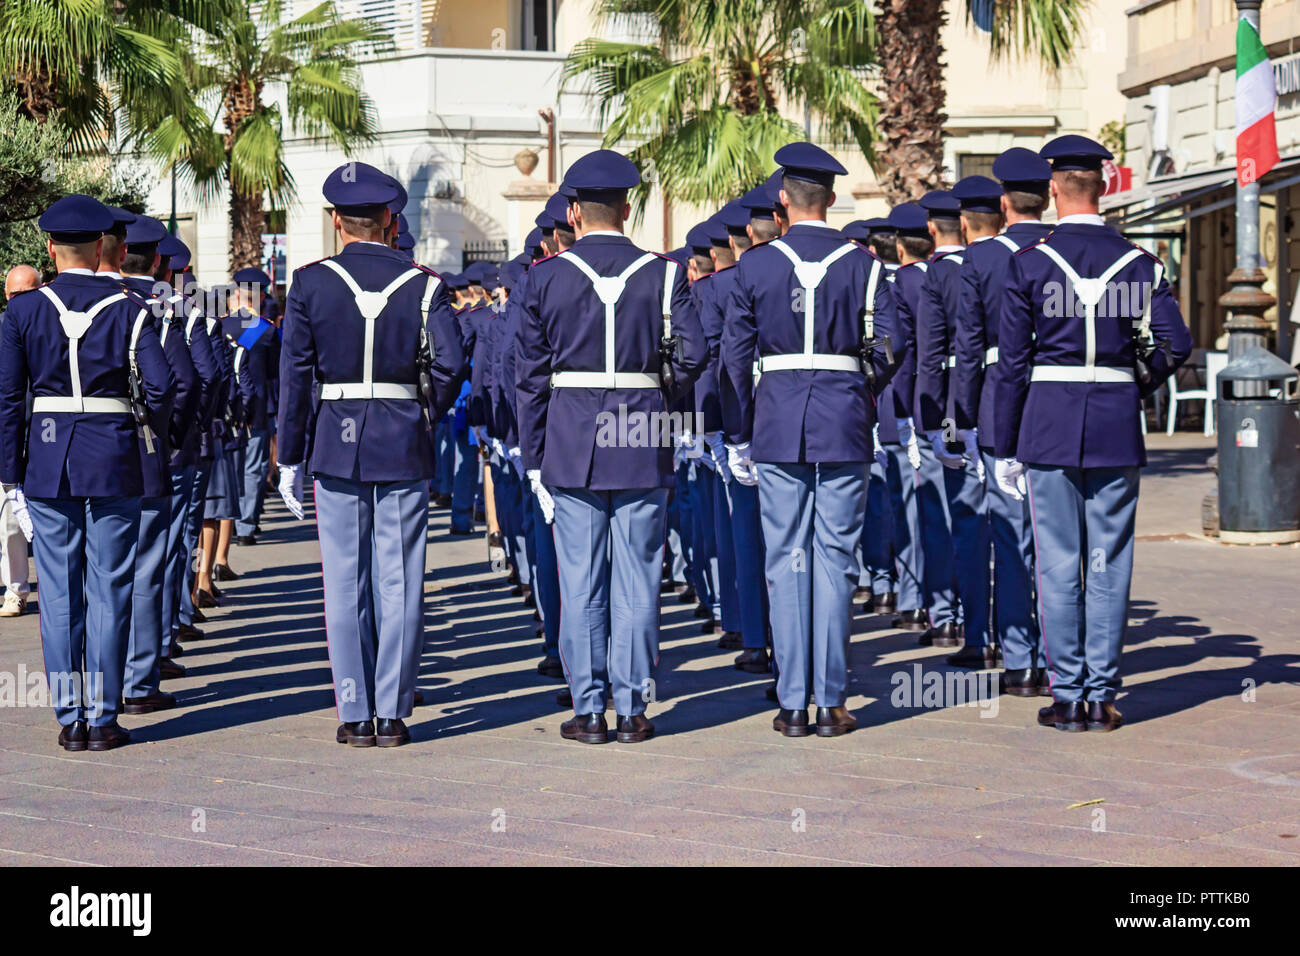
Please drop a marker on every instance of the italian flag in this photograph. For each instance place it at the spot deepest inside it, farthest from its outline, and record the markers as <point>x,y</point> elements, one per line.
<point>1256,101</point>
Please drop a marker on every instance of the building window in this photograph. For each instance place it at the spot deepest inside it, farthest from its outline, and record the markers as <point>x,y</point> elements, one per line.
<point>975,164</point>
<point>538,24</point>
<point>483,250</point>
<point>274,246</point>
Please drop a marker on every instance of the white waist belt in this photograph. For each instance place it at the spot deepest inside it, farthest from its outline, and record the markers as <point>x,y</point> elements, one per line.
<point>604,380</point>
<point>333,391</point>
<point>991,356</point>
<point>952,361</point>
<point>1080,373</point>
<point>83,405</point>
<point>804,362</point>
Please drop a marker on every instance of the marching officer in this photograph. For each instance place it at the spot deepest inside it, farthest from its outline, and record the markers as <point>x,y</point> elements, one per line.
<point>377,332</point>
<point>608,332</point>
<point>814,305</point>
<point>150,628</point>
<point>914,246</point>
<point>255,345</point>
<point>1024,178</point>
<point>954,446</point>
<point>75,480</point>
<point>1072,371</point>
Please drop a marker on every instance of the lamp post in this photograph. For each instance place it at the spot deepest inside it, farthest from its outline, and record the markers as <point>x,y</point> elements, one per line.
<point>1246,300</point>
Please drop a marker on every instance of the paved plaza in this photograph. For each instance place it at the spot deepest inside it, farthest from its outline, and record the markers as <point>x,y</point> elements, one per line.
<point>246,771</point>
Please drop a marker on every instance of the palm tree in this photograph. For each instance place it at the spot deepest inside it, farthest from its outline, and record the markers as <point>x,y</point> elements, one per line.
<point>78,59</point>
<point>225,74</point>
<point>913,82</point>
<point>703,97</point>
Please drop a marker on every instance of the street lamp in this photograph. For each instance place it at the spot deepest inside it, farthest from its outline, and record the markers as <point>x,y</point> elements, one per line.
<point>1246,300</point>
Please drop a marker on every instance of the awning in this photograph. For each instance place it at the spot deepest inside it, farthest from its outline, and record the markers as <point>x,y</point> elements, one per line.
<point>1163,200</point>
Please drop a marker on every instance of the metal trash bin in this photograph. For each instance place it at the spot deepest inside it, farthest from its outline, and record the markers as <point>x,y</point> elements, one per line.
<point>1259,450</point>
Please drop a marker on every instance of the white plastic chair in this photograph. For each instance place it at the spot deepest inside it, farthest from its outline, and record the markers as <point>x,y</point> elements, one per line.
<point>1177,395</point>
<point>1214,364</point>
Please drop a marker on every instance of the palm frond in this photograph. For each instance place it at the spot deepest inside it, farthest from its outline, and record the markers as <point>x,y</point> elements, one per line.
<point>1046,30</point>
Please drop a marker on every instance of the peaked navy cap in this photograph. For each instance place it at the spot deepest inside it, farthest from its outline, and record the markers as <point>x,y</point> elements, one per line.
<point>1020,166</point>
<point>1075,152</point>
<point>979,194</point>
<point>809,163</point>
<point>76,219</point>
<point>359,186</point>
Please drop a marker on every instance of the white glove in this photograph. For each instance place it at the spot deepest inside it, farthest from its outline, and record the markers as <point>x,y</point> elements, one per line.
<point>968,437</point>
<point>718,451</point>
<point>685,440</point>
<point>516,459</point>
<point>741,466</point>
<point>498,449</point>
<point>907,437</point>
<point>18,507</point>
<point>1010,476</point>
<point>877,448</point>
<point>291,489</point>
<point>938,443</point>
<point>542,495</point>
<point>699,454</point>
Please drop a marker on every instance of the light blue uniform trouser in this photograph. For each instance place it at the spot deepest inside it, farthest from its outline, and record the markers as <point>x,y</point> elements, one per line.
<point>256,459</point>
<point>193,526</point>
<point>1013,563</point>
<point>610,547</point>
<point>812,522</point>
<point>964,493</point>
<point>878,534</point>
<point>85,561</point>
<point>372,543</point>
<point>936,538</point>
<point>444,444</point>
<point>751,588</point>
<point>680,526</point>
<point>1083,522</point>
<point>546,580</point>
<point>703,537</point>
<point>145,644</point>
<point>174,566</point>
<point>909,555</point>
<point>464,483</point>
<point>725,547</point>
<point>508,492</point>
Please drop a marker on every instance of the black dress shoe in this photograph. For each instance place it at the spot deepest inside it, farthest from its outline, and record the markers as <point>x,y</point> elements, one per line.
<point>217,592</point>
<point>158,700</point>
<point>886,602</point>
<point>551,667</point>
<point>204,598</point>
<point>461,532</point>
<point>730,641</point>
<point>941,635</point>
<point>188,632</point>
<point>442,501</point>
<point>72,738</point>
<point>198,616</point>
<point>564,698</point>
<point>702,612</point>
<point>1020,682</point>
<point>480,515</point>
<point>417,699</point>
<point>107,738</point>
<point>517,591</point>
<point>1103,716</point>
<point>529,599</point>
<point>770,693</point>
<point>634,729</point>
<point>862,592</point>
<point>753,660</point>
<point>835,721</point>
<point>513,578</point>
<point>688,595</point>
<point>911,620</point>
<point>245,540</point>
<point>588,728</point>
<point>667,586</point>
<point>176,650</point>
<point>169,669</point>
<point>709,627</point>
<point>1071,716</point>
<point>791,723</point>
<point>223,572</point>
<point>360,733</point>
<point>391,732</point>
<point>1044,682</point>
<point>980,658</point>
